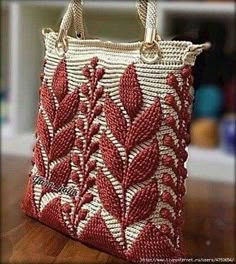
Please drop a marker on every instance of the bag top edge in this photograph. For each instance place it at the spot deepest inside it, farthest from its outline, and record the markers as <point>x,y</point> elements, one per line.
<point>117,45</point>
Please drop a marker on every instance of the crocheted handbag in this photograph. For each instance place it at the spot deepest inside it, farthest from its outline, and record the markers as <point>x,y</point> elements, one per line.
<point>112,128</point>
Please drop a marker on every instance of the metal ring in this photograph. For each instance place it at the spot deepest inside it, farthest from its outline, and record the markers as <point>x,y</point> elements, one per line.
<point>61,44</point>
<point>61,47</point>
<point>145,46</point>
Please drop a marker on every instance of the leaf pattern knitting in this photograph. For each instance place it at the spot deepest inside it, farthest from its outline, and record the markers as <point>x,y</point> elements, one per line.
<point>181,105</point>
<point>142,127</point>
<point>55,131</point>
<point>86,145</point>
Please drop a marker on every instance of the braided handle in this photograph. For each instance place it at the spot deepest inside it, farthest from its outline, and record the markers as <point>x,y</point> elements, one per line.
<point>147,11</point>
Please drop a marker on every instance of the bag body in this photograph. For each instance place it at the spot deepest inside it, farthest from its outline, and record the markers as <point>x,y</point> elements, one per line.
<point>109,159</point>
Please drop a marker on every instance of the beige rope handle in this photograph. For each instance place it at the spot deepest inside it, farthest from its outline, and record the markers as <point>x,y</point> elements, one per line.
<point>148,16</point>
<point>147,11</point>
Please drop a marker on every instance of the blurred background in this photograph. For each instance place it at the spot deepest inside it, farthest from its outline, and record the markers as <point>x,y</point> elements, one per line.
<point>210,201</point>
<point>213,127</point>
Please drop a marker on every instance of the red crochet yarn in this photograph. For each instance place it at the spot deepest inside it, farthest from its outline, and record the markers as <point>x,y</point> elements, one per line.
<point>180,127</point>
<point>143,126</point>
<point>120,175</point>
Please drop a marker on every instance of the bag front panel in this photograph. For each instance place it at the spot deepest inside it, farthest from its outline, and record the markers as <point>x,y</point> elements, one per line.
<point>110,151</point>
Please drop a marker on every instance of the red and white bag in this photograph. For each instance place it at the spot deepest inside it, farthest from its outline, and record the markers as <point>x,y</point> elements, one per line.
<point>112,129</point>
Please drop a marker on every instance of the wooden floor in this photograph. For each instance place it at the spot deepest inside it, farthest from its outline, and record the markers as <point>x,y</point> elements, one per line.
<point>208,231</point>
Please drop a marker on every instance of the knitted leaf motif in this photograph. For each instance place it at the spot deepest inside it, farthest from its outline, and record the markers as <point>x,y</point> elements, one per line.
<point>62,143</point>
<point>108,196</point>
<point>59,81</point>
<point>180,105</point>
<point>143,204</point>
<point>157,245</point>
<point>56,138</point>
<point>111,157</point>
<point>115,120</point>
<point>43,133</point>
<point>47,102</point>
<point>60,173</point>
<point>143,165</point>
<point>130,92</point>
<point>67,109</point>
<point>38,158</point>
<point>52,215</point>
<point>93,235</point>
<point>144,126</point>
<point>90,108</point>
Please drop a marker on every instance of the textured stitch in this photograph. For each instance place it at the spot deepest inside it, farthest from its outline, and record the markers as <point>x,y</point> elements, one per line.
<point>114,130</point>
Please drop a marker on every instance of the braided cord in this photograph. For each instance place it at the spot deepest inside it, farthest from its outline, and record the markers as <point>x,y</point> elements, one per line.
<point>147,11</point>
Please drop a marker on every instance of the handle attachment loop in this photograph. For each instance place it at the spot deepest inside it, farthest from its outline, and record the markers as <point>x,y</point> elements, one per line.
<point>150,52</point>
<point>147,11</point>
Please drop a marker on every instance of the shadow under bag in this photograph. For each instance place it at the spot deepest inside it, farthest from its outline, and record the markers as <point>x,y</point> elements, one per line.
<point>112,129</point>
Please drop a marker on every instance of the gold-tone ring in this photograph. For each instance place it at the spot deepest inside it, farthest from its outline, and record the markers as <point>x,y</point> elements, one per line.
<point>145,46</point>
<point>61,46</point>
